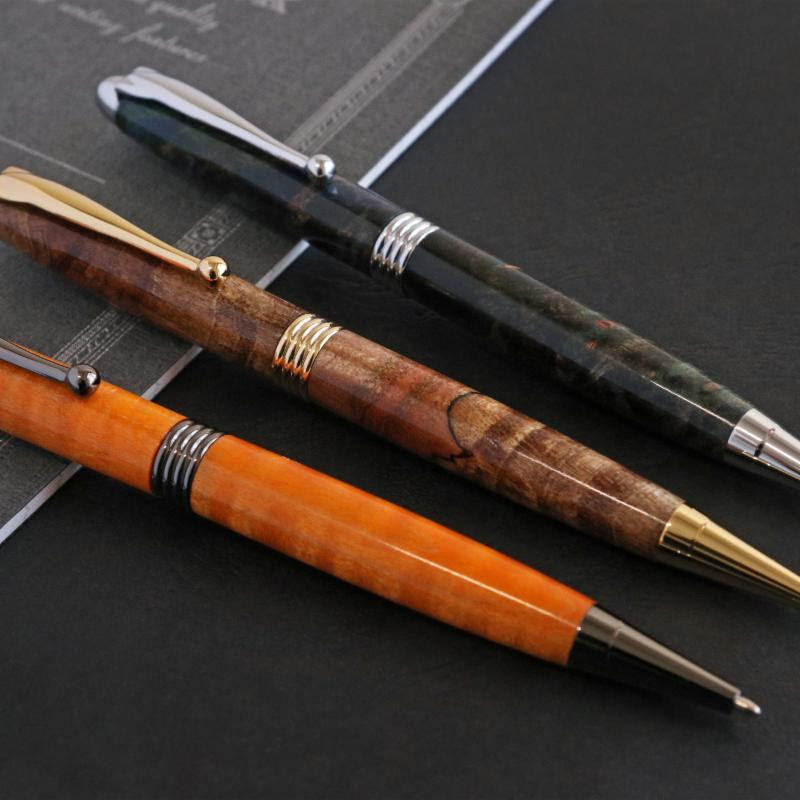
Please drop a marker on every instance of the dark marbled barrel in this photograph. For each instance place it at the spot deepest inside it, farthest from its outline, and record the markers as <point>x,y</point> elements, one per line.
<point>579,347</point>
<point>337,216</point>
<point>533,323</point>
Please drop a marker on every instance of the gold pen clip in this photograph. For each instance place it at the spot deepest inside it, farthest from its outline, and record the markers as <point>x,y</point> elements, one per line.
<point>20,186</point>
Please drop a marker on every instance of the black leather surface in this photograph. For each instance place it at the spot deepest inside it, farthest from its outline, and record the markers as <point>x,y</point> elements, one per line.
<point>642,156</point>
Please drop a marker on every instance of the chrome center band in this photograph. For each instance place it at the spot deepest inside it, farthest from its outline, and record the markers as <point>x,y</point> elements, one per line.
<point>298,348</point>
<point>397,241</point>
<point>177,460</point>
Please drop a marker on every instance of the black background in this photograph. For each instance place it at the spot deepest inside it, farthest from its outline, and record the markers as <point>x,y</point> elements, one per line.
<point>641,156</point>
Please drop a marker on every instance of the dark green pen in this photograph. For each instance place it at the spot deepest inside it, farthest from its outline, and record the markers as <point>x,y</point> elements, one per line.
<point>532,322</point>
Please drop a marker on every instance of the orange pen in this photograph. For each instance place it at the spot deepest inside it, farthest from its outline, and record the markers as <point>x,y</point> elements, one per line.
<point>333,526</point>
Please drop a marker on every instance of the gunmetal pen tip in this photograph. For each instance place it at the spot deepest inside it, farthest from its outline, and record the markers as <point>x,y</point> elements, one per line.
<point>746,704</point>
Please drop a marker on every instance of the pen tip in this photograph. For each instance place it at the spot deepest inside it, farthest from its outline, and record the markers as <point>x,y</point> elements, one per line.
<point>746,704</point>
<point>692,541</point>
<point>765,443</point>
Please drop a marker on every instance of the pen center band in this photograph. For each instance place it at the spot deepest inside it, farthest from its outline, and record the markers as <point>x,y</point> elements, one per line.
<point>298,348</point>
<point>397,241</point>
<point>177,460</point>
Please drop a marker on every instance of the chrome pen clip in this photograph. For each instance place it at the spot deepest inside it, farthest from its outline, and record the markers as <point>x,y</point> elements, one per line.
<point>83,379</point>
<point>148,84</point>
<point>19,186</point>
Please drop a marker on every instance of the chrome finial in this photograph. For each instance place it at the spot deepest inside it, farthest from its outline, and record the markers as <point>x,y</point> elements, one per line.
<point>83,379</point>
<point>148,84</point>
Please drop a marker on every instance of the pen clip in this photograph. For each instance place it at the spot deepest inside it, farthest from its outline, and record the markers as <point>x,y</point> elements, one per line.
<point>20,186</point>
<point>148,84</point>
<point>83,379</point>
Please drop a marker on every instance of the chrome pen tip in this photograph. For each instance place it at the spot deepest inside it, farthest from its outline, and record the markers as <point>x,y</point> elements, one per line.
<point>763,444</point>
<point>746,704</point>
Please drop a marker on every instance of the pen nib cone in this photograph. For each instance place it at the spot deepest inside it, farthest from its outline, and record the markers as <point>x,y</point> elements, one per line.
<point>765,445</point>
<point>692,541</point>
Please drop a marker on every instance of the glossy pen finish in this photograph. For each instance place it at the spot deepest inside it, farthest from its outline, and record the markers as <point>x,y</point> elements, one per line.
<point>421,410</point>
<point>530,321</point>
<point>307,515</point>
<point>342,531</point>
<point>399,399</point>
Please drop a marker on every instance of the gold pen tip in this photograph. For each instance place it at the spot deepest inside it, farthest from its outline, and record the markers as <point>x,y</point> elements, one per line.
<point>746,704</point>
<point>692,541</point>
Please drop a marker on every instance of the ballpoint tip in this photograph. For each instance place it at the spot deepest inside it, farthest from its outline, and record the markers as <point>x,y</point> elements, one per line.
<point>746,704</point>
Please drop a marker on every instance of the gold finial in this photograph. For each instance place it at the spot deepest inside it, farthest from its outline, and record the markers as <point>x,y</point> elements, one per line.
<point>213,269</point>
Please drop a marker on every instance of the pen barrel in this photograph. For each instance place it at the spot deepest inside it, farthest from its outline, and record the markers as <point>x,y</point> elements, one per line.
<point>386,550</point>
<point>396,398</point>
<point>581,348</point>
<point>307,515</point>
<point>540,327</point>
<point>481,439</point>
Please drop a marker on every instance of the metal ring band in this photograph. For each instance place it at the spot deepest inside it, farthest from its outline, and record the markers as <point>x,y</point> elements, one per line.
<point>397,241</point>
<point>298,349</point>
<point>177,460</point>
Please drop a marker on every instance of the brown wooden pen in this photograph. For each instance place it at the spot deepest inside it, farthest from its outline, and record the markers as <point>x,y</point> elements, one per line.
<point>333,526</point>
<point>415,407</point>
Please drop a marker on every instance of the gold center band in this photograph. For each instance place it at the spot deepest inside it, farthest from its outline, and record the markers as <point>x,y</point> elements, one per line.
<point>298,349</point>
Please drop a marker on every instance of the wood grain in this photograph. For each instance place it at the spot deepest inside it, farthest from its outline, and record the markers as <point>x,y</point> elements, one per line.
<point>543,329</point>
<point>416,408</point>
<point>481,439</point>
<point>111,431</point>
<point>386,549</point>
<point>307,515</point>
